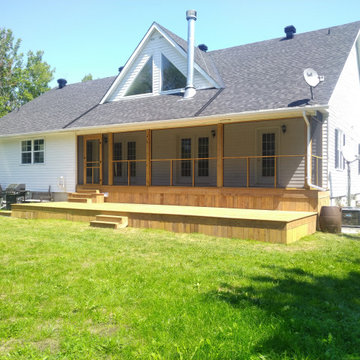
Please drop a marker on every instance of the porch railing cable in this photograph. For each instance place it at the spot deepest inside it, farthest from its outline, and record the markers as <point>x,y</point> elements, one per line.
<point>193,163</point>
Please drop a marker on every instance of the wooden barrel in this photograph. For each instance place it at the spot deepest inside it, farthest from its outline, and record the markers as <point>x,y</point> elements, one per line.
<point>330,219</point>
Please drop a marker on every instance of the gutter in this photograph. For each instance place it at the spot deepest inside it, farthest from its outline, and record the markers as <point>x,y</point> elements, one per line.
<point>308,155</point>
<point>227,118</point>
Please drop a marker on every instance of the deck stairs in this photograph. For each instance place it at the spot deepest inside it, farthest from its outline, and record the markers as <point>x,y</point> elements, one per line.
<point>87,196</point>
<point>110,221</point>
<point>5,213</point>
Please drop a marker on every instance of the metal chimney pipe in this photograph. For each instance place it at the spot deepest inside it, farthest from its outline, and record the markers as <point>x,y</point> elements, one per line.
<point>190,91</point>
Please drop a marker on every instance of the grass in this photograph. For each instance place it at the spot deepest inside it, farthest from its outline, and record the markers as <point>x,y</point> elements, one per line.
<point>68,291</point>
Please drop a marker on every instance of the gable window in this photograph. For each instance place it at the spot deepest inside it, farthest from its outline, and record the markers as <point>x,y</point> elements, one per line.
<point>33,151</point>
<point>142,84</point>
<point>171,77</point>
<point>339,144</point>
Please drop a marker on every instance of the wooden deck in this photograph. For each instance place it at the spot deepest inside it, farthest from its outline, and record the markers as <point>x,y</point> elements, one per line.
<point>264,225</point>
<point>223,197</point>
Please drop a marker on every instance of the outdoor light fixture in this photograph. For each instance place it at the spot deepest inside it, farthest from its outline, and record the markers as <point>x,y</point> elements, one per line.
<point>213,133</point>
<point>283,128</point>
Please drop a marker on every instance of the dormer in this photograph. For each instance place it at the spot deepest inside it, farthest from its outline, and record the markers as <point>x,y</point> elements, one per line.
<point>158,66</point>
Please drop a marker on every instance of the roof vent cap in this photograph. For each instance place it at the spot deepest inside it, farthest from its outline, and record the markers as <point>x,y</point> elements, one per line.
<point>62,83</point>
<point>203,47</point>
<point>191,14</point>
<point>290,31</point>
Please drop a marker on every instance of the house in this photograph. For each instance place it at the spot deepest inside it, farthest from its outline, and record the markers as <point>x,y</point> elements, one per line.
<point>234,127</point>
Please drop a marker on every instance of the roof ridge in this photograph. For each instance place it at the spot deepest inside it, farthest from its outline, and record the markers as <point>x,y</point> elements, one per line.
<point>279,38</point>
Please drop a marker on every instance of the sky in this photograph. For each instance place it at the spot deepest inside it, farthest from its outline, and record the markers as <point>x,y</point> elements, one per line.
<point>79,37</point>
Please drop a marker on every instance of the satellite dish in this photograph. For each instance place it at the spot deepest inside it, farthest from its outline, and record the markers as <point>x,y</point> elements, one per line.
<point>311,77</point>
<point>348,154</point>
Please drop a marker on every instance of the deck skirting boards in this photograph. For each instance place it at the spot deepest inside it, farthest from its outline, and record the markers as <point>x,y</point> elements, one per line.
<point>264,225</point>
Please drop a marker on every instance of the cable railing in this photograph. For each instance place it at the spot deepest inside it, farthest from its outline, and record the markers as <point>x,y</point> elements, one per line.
<point>237,171</point>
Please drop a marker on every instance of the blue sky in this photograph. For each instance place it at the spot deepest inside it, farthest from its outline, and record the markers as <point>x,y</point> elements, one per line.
<point>97,37</point>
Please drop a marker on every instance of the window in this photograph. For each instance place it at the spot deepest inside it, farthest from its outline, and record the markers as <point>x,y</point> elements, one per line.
<point>39,151</point>
<point>339,144</point>
<point>171,77</point>
<point>33,151</point>
<point>26,152</point>
<point>117,155</point>
<point>185,154</point>
<point>142,84</point>
<point>203,152</point>
<point>268,149</point>
<point>132,156</point>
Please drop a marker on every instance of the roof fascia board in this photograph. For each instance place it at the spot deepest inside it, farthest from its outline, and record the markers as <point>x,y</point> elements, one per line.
<point>227,118</point>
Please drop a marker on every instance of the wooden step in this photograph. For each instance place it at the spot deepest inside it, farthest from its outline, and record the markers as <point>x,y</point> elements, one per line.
<point>84,200</point>
<point>121,220</point>
<point>5,213</point>
<point>105,224</point>
<point>88,191</point>
<point>80,195</point>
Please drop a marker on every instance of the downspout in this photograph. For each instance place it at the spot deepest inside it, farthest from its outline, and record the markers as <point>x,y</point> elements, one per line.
<point>190,91</point>
<point>308,155</point>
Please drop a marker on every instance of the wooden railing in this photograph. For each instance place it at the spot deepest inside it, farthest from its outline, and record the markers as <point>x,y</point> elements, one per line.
<point>248,168</point>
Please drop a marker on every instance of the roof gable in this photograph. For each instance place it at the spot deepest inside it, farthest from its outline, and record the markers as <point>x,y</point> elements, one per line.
<point>155,44</point>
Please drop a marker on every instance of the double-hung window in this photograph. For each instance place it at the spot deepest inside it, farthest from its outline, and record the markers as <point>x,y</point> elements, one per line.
<point>33,151</point>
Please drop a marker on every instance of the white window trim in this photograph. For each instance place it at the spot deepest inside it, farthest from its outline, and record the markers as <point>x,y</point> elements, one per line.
<point>32,151</point>
<point>339,147</point>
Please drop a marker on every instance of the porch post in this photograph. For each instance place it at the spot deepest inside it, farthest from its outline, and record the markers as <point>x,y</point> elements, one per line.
<point>220,155</point>
<point>148,156</point>
<point>110,158</point>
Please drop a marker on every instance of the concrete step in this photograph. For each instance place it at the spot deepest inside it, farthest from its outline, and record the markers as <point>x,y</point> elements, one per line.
<point>121,220</point>
<point>80,200</point>
<point>105,224</point>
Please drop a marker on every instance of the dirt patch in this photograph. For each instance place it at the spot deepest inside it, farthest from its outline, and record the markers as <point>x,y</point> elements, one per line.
<point>47,344</point>
<point>104,330</point>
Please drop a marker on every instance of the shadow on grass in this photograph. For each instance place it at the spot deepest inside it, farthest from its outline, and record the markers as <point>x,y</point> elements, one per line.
<point>312,317</point>
<point>351,236</point>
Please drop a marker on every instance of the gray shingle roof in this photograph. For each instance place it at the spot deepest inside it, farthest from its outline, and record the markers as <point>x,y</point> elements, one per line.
<point>259,76</point>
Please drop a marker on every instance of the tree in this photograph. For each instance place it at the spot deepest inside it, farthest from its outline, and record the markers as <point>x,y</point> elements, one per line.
<point>21,80</point>
<point>87,77</point>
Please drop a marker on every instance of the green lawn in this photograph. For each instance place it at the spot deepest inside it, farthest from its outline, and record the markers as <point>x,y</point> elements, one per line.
<point>68,291</point>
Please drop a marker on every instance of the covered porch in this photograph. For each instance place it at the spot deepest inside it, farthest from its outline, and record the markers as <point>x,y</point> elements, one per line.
<point>251,164</point>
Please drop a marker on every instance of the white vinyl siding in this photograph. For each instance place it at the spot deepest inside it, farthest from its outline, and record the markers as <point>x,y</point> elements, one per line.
<point>344,114</point>
<point>59,161</point>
